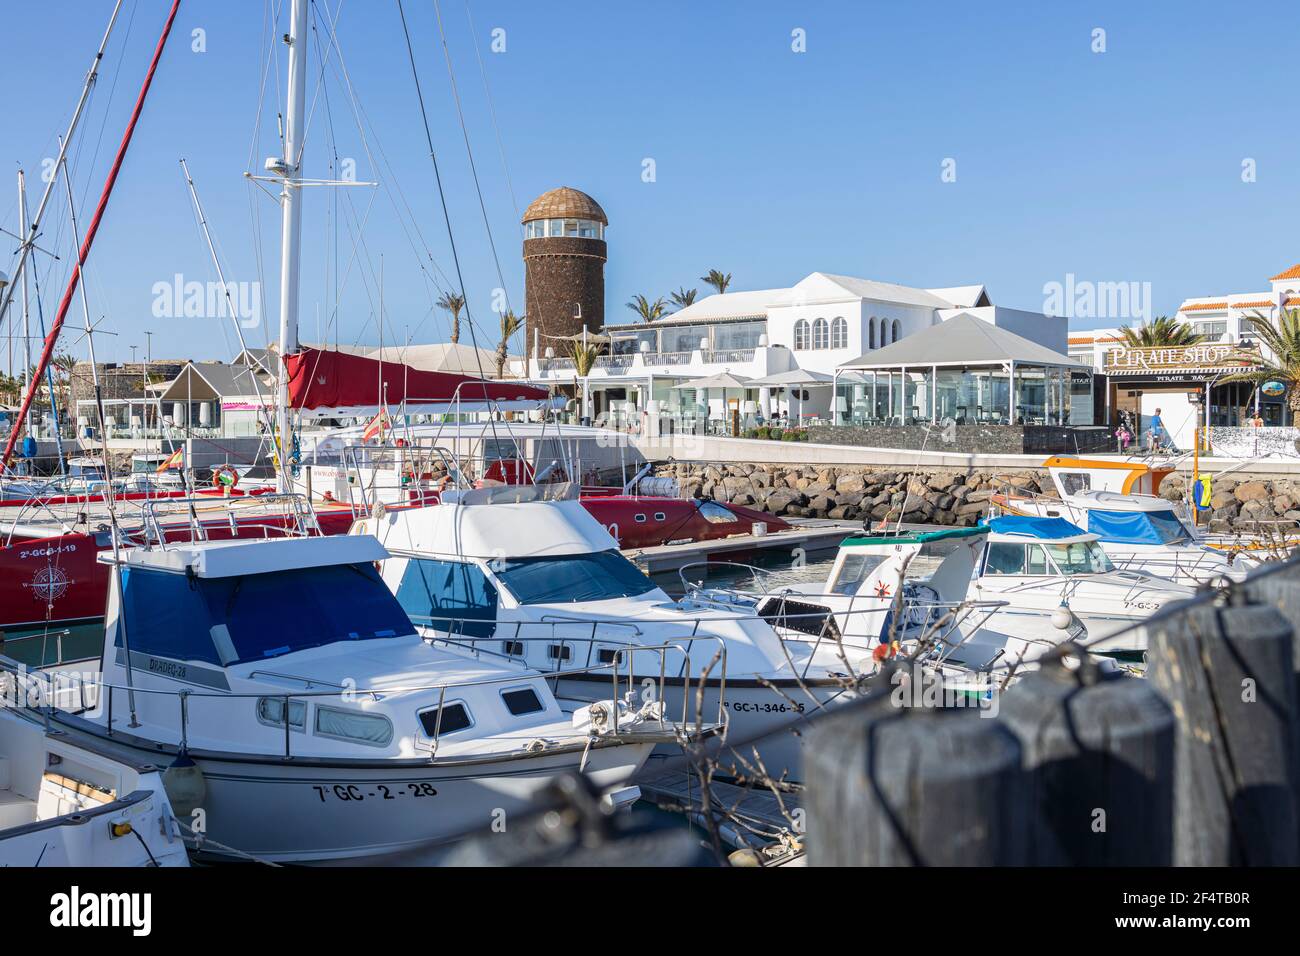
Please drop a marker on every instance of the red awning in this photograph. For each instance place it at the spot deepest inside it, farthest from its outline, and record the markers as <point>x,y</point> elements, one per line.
<point>349,384</point>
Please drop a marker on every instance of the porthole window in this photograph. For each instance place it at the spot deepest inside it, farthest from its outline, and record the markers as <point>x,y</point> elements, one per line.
<point>454,717</point>
<point>522,700</point>
<point>558,652</point>
<point>660,516</point>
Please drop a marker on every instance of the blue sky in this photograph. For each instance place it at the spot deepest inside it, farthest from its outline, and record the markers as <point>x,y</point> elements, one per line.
<point>1123,165</point>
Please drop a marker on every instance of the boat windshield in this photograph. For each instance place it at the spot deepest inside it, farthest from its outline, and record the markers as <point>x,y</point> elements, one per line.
<point>1137,527</point>
<point>1080,557</point>
<point>598,576</point>
<point>253,617</point>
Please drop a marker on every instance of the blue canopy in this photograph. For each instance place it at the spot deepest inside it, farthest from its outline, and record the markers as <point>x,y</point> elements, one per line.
<point>1136,527</point>
<point>1031,527</point>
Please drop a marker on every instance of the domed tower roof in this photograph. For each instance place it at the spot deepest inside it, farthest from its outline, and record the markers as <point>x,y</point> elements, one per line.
<point>565,203</point>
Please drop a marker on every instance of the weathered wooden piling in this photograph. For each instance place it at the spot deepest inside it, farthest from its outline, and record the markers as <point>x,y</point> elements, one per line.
<point>893,785</point>
<point>1227,671</point>
<point>1098,752</point>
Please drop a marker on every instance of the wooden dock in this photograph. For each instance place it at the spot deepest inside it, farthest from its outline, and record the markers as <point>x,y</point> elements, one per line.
<point>812,535</point>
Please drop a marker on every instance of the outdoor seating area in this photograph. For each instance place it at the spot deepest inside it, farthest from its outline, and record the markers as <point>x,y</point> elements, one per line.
<point>965,371</point>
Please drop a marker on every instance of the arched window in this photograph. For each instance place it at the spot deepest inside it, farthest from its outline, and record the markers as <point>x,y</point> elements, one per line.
<point>821,334</point>
<point>871,326</point>
<point>893,336</point>
<point>839,334</point>
<point>801,334</point>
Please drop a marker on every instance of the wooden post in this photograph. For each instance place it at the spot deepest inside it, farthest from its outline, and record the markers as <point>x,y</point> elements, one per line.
<point>891,785</point>
<point>1227,671</point>
<point>1279,587</point>
<point>1099,754</point>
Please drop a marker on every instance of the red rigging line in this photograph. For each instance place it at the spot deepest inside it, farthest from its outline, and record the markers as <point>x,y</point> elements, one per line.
<point>87,241</point>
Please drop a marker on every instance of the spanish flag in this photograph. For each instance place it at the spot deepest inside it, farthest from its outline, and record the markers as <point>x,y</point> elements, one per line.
<point>175,460</point>
<point>377,426</point>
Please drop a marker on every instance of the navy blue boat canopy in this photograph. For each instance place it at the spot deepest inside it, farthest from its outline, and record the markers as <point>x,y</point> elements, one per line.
<point>1046,529</point>
<point>1137,527</point>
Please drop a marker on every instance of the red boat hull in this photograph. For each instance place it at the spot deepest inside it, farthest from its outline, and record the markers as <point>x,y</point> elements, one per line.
<point>649,522</point>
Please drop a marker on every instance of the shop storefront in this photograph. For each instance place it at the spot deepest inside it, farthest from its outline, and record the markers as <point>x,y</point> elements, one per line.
<point>1182,383</point>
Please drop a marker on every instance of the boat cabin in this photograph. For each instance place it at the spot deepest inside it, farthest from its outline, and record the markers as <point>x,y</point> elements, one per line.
<point>253,629</point>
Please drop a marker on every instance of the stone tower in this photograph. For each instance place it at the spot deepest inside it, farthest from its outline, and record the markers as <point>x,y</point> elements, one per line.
<point>564,267</point>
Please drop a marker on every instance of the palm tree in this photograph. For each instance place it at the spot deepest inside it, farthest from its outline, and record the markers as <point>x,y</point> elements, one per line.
<point>649,311</point>
<point>1283,341</point>
<point>1161,332</point>
<point>717,279</point>
<point>584,358</point>
<point>453,303</point>
<point>510,324</point>
<point>683,297</point>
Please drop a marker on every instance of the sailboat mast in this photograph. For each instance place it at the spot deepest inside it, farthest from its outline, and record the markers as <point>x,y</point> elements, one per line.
<point>27,315</point>
<point>291,226</point>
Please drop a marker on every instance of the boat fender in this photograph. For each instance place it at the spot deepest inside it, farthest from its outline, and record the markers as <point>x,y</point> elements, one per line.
<point>186,786</point>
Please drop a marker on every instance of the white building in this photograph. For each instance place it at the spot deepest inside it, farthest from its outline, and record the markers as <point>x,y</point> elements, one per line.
<point>817,325</point>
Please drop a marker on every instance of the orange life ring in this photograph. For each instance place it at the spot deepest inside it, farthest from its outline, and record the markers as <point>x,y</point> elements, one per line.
<point>221,470</point>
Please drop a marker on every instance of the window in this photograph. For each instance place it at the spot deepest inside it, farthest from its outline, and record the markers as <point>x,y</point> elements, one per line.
<point>451,596</point>
<point>715,513</point>
<point>1073,482</point>
<point>559,652</point>
<point>557,227</point>
<point>599,576</point>
<point>839,334</point>
<point>370,729</point>
<point>894,330</point>
<point>607,655</point>
<point>1080,557</point>
<point>185,618</point>
<point>821,334</point>
<point>871,326</point>
<point>854,571</point>
<point>1036,560</point>
<point>801,336</point>
<point>522,701</point>
<point>1005,558</point>
<point>454,717</point>
<point>270,710</point>
<point>512,648</point>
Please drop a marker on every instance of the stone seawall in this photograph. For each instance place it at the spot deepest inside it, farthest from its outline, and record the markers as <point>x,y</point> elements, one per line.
<point>949,496</point>
<point>938,496</point>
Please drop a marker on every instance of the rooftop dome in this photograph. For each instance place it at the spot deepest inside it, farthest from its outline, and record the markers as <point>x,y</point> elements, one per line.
<point>565,203</point>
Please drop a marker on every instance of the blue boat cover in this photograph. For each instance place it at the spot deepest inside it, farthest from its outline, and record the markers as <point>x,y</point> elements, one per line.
<point>1031,527</point>
<point>1136,527</point>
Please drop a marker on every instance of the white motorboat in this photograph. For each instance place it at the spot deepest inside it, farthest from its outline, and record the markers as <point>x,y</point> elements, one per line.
<point>905,594</point>
<point>525,573</point>
<point>1039,565</point>
<point>312,722</point>
<point>1143,534</point>
<point>76,803</point>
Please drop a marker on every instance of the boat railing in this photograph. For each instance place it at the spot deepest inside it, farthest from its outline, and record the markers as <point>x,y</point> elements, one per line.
<point>167,521</point>
<point>508,641</point>
<point>49,695</point>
